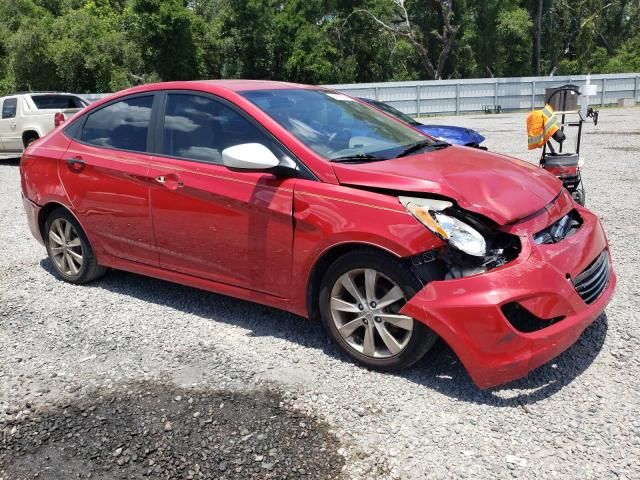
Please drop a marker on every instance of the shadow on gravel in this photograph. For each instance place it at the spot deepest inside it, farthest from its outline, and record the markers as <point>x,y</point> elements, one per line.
<point>439,370</point>
<point>146,430</point>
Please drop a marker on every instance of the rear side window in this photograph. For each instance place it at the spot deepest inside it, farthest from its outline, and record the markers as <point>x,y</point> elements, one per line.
<point>9,108</point>
<point>44,102</point>
<point>199,128</point>
<point>123,125</point>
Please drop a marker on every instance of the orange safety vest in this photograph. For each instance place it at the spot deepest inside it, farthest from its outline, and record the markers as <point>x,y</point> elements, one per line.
<point>541,125</point>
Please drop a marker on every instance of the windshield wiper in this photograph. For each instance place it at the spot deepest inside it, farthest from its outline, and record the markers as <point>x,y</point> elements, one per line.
<point>423,144</point>
<point>357,158</point>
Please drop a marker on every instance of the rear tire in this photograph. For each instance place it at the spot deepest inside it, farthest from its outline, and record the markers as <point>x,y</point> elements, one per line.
<point>69,249</point>
<point>360,298</point>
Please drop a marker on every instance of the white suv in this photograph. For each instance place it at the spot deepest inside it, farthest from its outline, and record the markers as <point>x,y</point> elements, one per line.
<point>26,117</point>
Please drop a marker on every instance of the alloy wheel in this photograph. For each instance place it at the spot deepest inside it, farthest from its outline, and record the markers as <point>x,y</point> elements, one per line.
<point>365,307</point>
<point>65,247</point>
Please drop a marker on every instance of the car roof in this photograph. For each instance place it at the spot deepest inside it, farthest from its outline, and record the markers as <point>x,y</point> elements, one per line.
<point>242,85</point>
<point>217,87</point>
<point>212,85</point>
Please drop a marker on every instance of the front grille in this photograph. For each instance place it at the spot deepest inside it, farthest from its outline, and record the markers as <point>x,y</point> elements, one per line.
<point>591,282</point>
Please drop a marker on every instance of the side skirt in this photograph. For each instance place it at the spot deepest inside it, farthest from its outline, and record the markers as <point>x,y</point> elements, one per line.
<point>200,283</point>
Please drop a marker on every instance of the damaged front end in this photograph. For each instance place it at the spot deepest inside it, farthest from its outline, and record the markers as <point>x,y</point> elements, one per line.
<point>538,284</point>
<point>473,245</point>
<point>504,248</point>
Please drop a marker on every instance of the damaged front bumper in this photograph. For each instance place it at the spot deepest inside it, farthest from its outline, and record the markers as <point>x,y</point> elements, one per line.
<point>476,315</point>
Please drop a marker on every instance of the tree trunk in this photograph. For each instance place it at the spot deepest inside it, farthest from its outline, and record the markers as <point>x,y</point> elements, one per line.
<point>539,36</point>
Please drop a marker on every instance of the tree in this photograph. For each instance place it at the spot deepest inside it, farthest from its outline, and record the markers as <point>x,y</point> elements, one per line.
<point>513,30</point>
<point>91,51</point>
<point>30,66</point>
<point>401,25</point>
<point>164,32</point>
<point>107,45</point>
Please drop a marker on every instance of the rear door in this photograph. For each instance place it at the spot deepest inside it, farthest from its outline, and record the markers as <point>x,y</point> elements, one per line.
<point>229,226</point>
<point>9,133</point>
<point>105,175</point>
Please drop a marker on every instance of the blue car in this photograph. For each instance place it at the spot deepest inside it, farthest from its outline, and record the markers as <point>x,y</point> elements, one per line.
<point>448,133</point>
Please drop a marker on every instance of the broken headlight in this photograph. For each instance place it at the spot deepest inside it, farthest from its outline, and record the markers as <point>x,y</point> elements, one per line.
<point>457,233</point>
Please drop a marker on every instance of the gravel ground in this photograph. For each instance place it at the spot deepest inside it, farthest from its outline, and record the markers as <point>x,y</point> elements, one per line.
<point>125,347</point>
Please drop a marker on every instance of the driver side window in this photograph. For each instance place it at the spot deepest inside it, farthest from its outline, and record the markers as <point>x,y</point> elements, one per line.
<point>200,128</point>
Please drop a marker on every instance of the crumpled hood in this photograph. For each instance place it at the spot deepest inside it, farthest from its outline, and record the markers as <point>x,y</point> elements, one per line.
<point>452,134</point>
<point>501,188</point>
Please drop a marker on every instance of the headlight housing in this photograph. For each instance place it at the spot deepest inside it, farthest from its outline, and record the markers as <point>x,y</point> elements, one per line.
<point>454,231</point>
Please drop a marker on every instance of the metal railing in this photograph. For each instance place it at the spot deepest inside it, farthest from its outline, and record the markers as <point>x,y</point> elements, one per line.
<point>439,97</point>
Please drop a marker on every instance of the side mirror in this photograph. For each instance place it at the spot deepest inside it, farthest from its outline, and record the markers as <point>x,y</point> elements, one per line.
<point>249,156</point>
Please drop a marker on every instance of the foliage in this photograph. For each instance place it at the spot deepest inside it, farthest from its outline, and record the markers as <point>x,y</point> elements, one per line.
<point>515,43</point>
<point>107,45</point>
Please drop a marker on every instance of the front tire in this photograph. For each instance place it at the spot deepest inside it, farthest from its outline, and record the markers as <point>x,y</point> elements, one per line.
<point>69,249</point>
<point>360,298</point>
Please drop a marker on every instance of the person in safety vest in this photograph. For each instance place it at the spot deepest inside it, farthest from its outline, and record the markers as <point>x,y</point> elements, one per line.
<point>541,126</point>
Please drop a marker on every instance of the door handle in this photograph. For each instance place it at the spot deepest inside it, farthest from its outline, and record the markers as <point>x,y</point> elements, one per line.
<point>171,181</point>
<point>75,164</point>
<point>12,125</point>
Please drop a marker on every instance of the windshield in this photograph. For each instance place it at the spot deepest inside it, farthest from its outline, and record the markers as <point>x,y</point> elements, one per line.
<point>392,111</point>
<point>334,125</point>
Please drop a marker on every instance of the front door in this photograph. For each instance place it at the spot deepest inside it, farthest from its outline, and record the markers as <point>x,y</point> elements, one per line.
<point>105,175</point>
<point>229,226</point>
<point>10,136</point>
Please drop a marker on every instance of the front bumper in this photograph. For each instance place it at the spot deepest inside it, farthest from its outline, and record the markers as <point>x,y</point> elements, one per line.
<point>467,312</point>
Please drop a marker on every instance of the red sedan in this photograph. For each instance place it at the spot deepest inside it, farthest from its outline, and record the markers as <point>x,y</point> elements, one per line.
<point>306,200</point>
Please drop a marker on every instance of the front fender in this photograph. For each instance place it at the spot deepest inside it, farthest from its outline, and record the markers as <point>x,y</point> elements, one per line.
<point>330,216</point>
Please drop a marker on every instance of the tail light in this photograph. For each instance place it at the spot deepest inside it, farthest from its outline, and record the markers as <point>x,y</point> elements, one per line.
<point>58,119</point>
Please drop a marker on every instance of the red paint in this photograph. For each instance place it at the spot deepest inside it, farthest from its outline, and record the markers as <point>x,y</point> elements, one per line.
<point>230,227</point>
<point>110,196</point>
<point>466,312</point>
<point>562,172</point>
<point>258,236</point>
<point>497,187</point>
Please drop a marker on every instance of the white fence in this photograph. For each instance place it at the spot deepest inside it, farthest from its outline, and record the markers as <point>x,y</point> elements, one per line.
<point>438,97</point>
<point>472,95</point>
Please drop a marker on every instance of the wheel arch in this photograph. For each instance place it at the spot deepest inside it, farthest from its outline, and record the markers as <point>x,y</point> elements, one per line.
<point>322,263</point>
<point>29,133</point>
<point>46,210</point>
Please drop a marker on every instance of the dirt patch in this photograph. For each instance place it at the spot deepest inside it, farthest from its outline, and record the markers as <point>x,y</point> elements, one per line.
<point>151,431</point>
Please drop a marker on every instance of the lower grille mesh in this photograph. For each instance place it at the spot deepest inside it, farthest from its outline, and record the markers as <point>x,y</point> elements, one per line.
<point>591,282</point>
